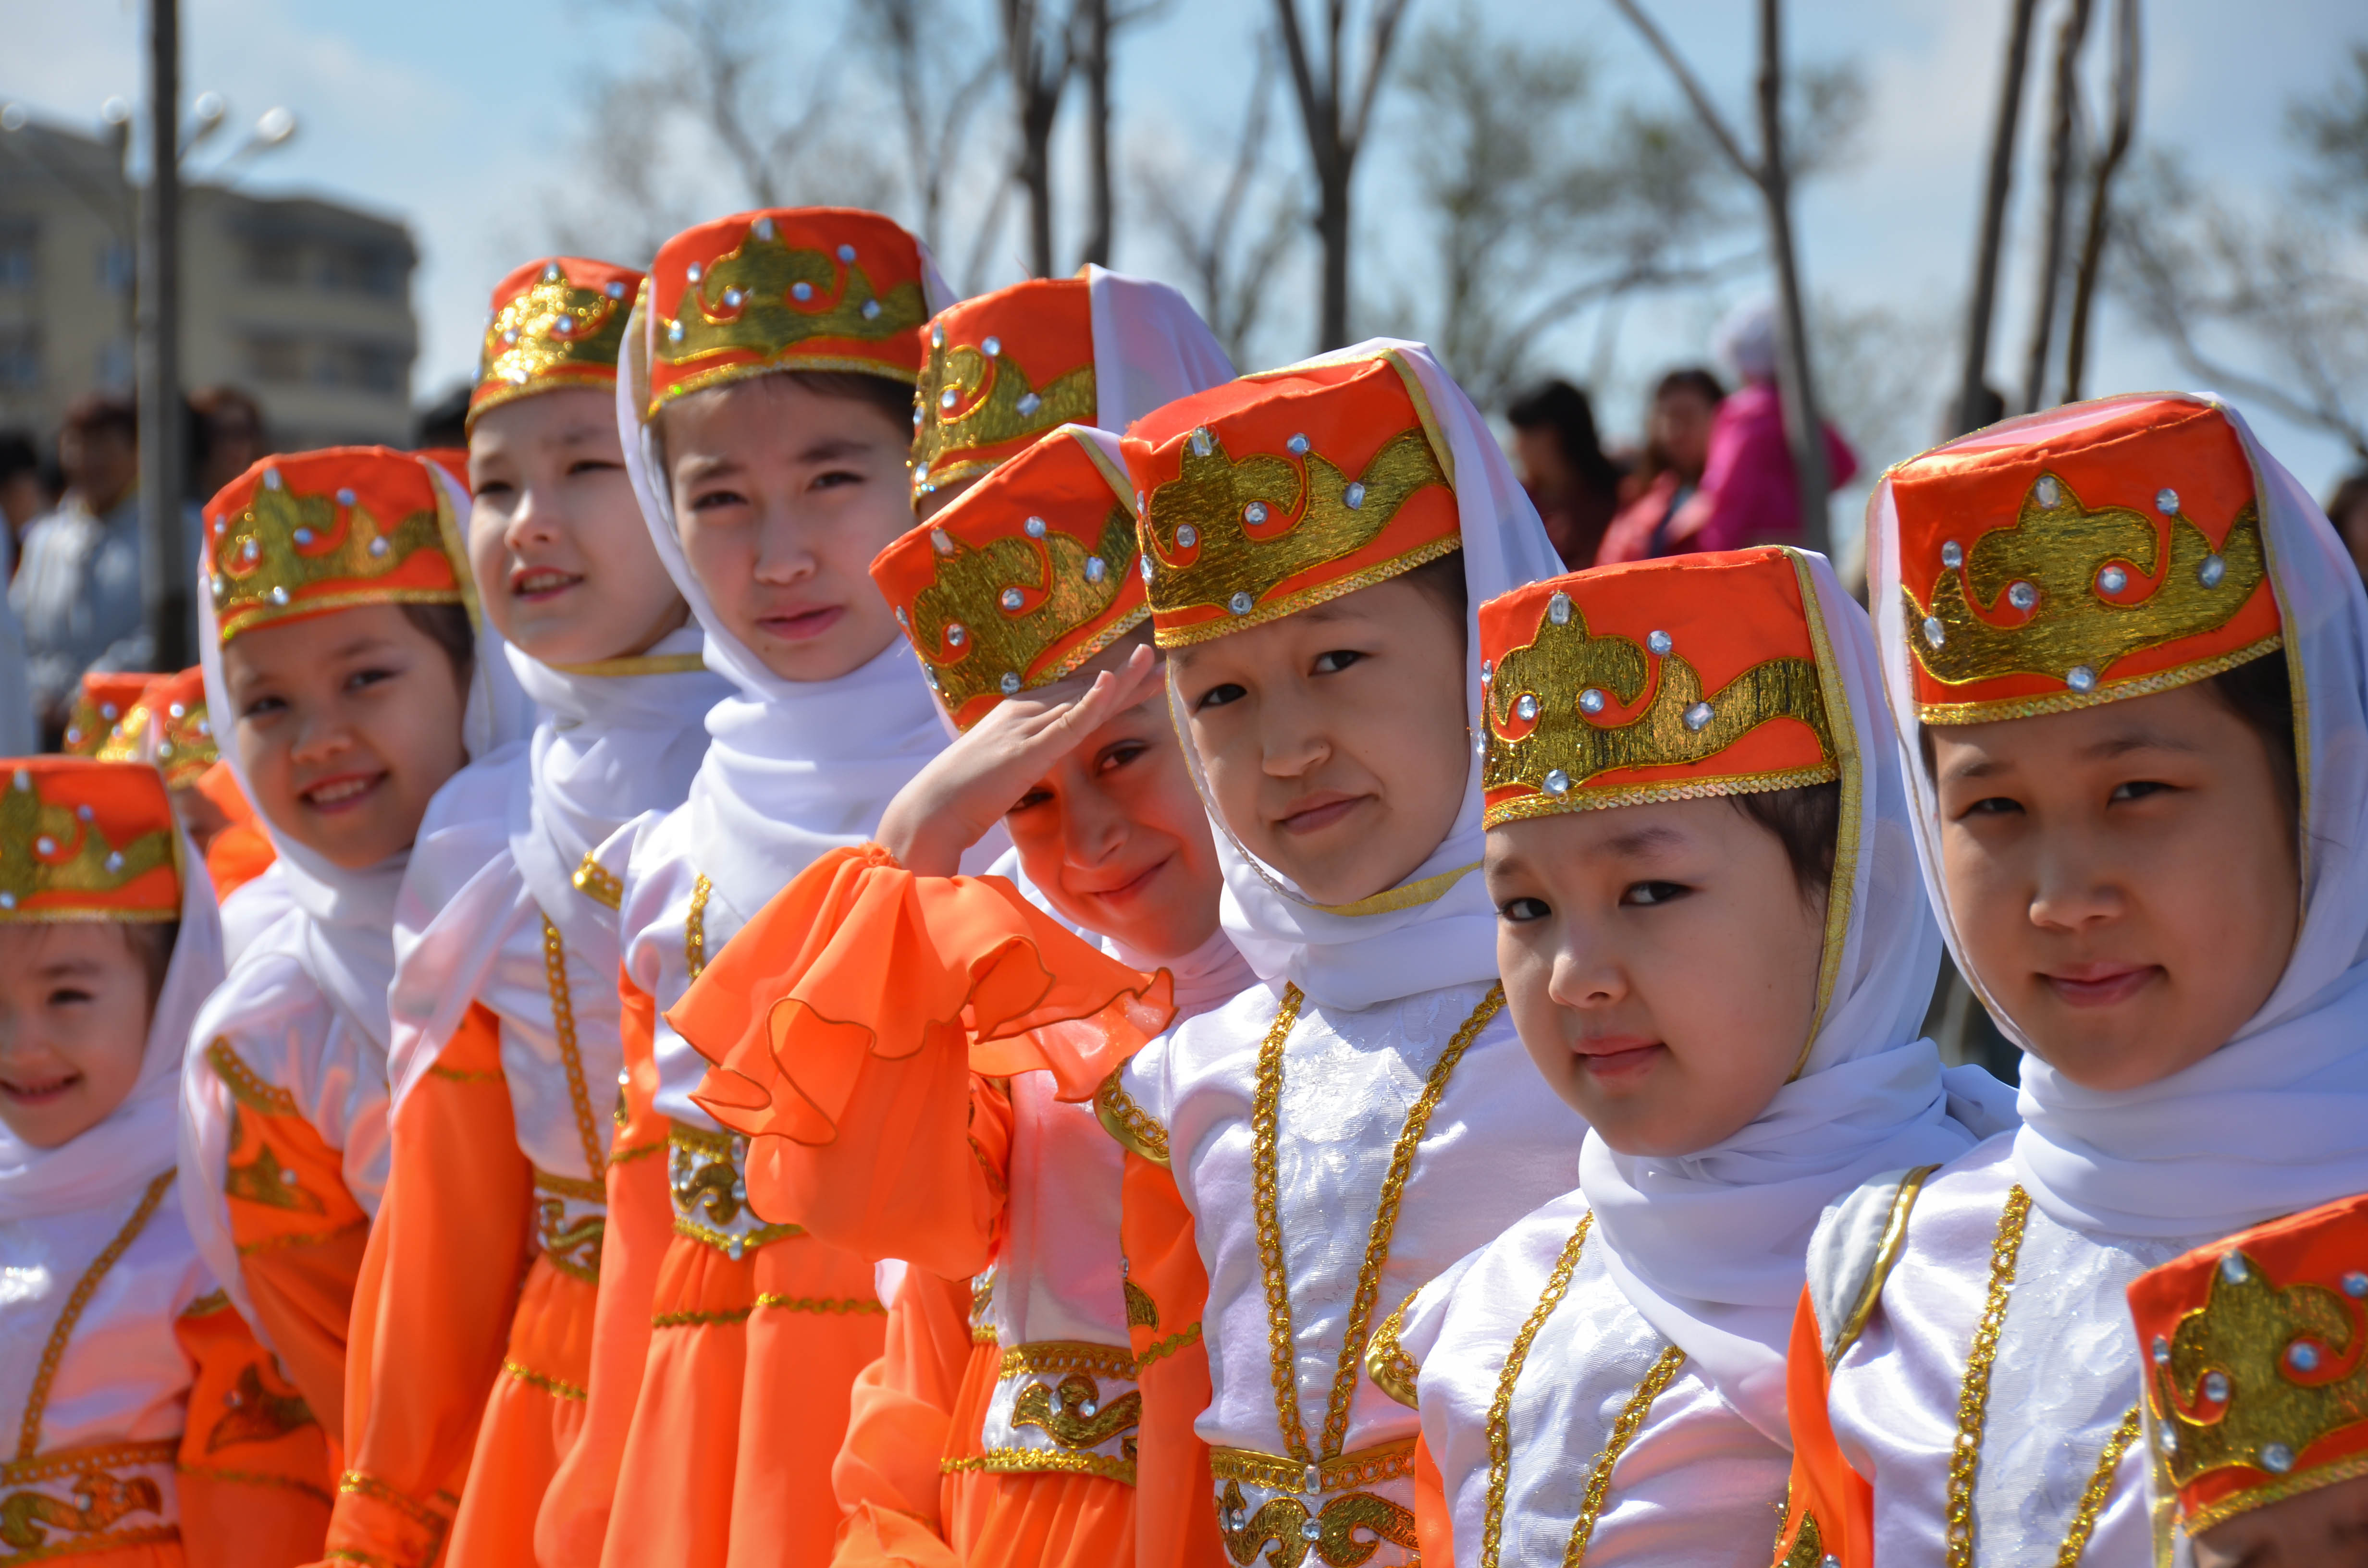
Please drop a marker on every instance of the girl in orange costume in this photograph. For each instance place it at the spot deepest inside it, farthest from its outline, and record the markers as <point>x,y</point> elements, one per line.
<point>504,1006</point>
<point>154,1431</point>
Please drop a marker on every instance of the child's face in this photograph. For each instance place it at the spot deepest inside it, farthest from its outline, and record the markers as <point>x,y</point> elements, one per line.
<point>1660,963</point>
<point>2123,877</point>
<point>345,724</point>
<point>562,557</point>
<point>73,1026</point>
<point>2324,1528</point>
<point>1335,740</point>
<point>783,497</point>
<point>1116,835</point>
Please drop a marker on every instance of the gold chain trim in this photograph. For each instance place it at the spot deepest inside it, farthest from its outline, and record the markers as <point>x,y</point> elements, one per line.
<point>848,1306</point>
<point>1024,1460</point>
<point>259,1478</point>
<point>244,1085</point>
<point>1393,1371</point>
<point>2100,1486</point>
<point>599,883</point>
<point>2104,691</point>
<point>205,1306</point>
<point>563,1024</point>
<point>28,1435</point>
<point>1265,1133</point>
<point>1383,1462</point>
<point>694,927</point>
<point>1134,1128</point>
<point>1500,1408</point>
<point>1624,1432</point>
<point>1046,1355</point>
<point>558,1387</point>
<point>356,1484</point>
<point>1973,1393</point>
<point>72,1461</point>
<point>1189,1335</point>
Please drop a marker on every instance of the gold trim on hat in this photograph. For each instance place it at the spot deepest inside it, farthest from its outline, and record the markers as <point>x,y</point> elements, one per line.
<point>88,865</point>
<point>964,606</point>
<point>994,419</point>
<point>261,538</point>
<point>524,346</point>
<point>765,272</point>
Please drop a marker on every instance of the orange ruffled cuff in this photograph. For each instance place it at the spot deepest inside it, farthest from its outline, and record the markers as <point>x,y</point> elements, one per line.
<point>859,958</point>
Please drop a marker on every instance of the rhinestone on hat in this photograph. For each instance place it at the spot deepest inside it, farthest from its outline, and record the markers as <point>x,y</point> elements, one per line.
<point>2216,1386</point>
<point>957,633</point>
<point>948,398</point>
<point>45,844</point>
<point>1094,570</point>
<point>1558,610</point>
<point>732,297</point>
<point>344,497</point>
<point>937,338</point>
<point>991,345</point>
<point>762,228</point>
<point>1033,527</point>
<point>1013,598</point>
<point>870,309</point>
<point>1028,403</point>
<point>1354,496</point>
<point>1241,603</point>
<point>616,291</point>
<point>24,779</point>
<point>85,813</point>
<point>114,861</point>
<point>802,291</point>
<point>279,595</point>
<point>1147,569</point>
<point>2232,1267</point>
<point>901,618</point>
<point>2276,1458</point>
<point>1557,782</point>
<point>1010,684</point>
<point>2021,595</point>
<point>1698,715</point>
<point>1255,512</point>
<point>942,542</point>
<point>1953,554</point>
<point>1591,700</point>
<point>2047,490</point>
<point>2302,1356</point>
<point>1659,641</point>
<point>1187,536</point>
<point>2081,678</point>
<point>847,253</point>
<point>694,269</point>
<point>1202,441</point>
<point>1526,709</point>
<point>1934,633</point>
<point>2355,1285</point>
<point>302,536</point>
<point>271,479</point>
<point>379,546</point>
<point>1297,446</point>
<point>2161,1351</point>
<point>674,332</point>
<point>1487,671</point>
<point>2166,500</point>
<point>2210,571</point>
<point>2112,579</point>
<point>8,901</point>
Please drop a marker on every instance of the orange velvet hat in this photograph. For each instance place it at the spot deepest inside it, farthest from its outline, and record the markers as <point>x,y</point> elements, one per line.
<point>1002,370</point>
<point>555,322</point>
<point>1267,494</point>
<point>1021,578</point>
<point>184,737</point>
<point>311,533</point>
<point>105,699</point>
<point>789,288</point>
<point>81,839</point>
<point>1657,680</point>
<point>2089,560</point>
<point>2256,1361</point>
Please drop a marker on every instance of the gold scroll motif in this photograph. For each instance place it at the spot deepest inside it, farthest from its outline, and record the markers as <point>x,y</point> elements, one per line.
<point>256,1412</point>
<point>2067,592</point>
<point>46,847</point>
<point>762,297</point>
<point>1565,663</point>
<point>265,1180</point>
<point>1278,1529</point>
<point>711,1193</point>
<point>977,647</point>
<point>991,404</point>
<point>281,543</point>
<point>1808,1549</point>
<point>571,1244</point>
<point>553,324</point>
<point>1225,534</point>
<point>37,1525</point>
<point>1072,1414</point>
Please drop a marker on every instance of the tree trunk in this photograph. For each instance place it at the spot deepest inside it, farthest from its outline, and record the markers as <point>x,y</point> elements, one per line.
<point>2071,39</point>
<point>1986,254</point>
<point>164,550</point>
<point>1096,20</point>
<point>2117,146</point>
<point>1036,86</point>
<point>1805,430</point>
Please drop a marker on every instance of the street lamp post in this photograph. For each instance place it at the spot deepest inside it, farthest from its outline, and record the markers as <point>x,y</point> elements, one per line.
<point>164,460</point>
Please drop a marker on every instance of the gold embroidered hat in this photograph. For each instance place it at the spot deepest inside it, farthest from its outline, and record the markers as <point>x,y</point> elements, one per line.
<point>1260,498</point>
<point>2106,550</point>
<point>81,839</point>
<point>2254,1351</point>
<point>1657,680</point>
<point>1000,371</point>
<point>179,735</point>
<point>107,699</point>
<point>788,288</point>
<point>310,532</point>
<point>555,322</point>
<point>1022,578</point>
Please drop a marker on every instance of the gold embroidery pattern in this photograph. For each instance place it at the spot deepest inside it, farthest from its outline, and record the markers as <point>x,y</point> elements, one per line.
<point>1808,1542</point>
<point>1266,1199</point>
<point>599,883</point>
<point>245,1085</point>
<point>1133,1127</point>
<point>282,544</point>
<point>982,1296</point>
<point>711,1191</point>
<point>2080,591</point>
<point>35,1525</point>
<point>265,1180</point>
<point>2100,1487</point>
<point>570,1237</point>
<point>1023,1460</point>
<point>1500,1408</point>
<point>557,1387</point>
<point>29,1433</point>
<point>694,927</point>
<point>431,1524</point>
<point>1196,528</point>
<point>829,1306</point>
<point>1072,1414</point>
<point>1142,1311</point>
<point>1556,674</point>
<point>1393,1371</point>
<point>991,404</point>
<point>1973,1393</point>
<point>972,645</point>
<point>762,297</point>
<point>1365,1467</point>
<point>256,1414</point>
<point>1624,1432</point>
<point>555,326</point>
<point>204,1306</point>
<point>1189,1335</point>
<point>563,1025</point>
<point>1286,1523</point>
<point>46,848</point>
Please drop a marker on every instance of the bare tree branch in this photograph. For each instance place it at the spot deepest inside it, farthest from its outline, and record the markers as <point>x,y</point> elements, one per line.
<point>1334,138</point>
<point>2071,40</point>
<point>1972,383</point>
<point>2100,182</point>
<point>1707,111</point>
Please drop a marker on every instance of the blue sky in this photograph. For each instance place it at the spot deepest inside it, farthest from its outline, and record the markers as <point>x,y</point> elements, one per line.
<point>464,118</point>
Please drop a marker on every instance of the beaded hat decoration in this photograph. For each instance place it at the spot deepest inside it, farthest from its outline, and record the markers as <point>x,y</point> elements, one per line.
<point>1000,371</point>
<point>1260,498</point>
<point>81,839</point>
<point>179,735</point>
<point>312,532</point>
<point>2099,559</point>
<point>1022,578</point>
<point>105,699</point>
<point>555,322</point>
<point>2254,1351</point>
<point>788,288</point>
<point>1657,680</point>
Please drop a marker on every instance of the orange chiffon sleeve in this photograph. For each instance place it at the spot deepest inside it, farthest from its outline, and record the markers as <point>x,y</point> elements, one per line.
<point>887,1475</point>
<point>255,1479</point>
<point>1167,1289</point>
<point>1434,1524</point>
<point>846,1021</point>
<point>298,1233</point>
<point>431,1315</point>
<point>1829,1507</point>
<point>573,1520</point>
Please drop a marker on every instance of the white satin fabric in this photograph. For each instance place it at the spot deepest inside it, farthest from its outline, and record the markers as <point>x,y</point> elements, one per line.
<point>1710,1246</point>
<point>1150,347</point>
<point>1696,1483</point>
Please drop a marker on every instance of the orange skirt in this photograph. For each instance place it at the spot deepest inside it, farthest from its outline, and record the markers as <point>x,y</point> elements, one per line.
<point>530,1422</point>
<point>1018,1519</point>
<point>743,1405</point>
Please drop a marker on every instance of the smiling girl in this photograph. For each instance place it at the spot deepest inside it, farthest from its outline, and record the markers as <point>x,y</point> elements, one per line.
<point>339,641</point>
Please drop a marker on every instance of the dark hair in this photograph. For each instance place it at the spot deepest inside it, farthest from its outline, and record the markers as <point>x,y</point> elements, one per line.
<point>445,421</point>
<point>1806,820</point>
<point>151,943</point>
<point>98,410</point>
<point>448,627</point>
<point>17,455</point>
<point>1563,409</point>
<point>2261,692</point>
<point>1442,580</point>
<point>894,399</point>
<point>1686,378</point>
<point>2350,493</point>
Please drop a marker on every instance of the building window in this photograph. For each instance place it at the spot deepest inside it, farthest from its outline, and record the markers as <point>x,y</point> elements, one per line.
<point>116,268</point>
<point>275,359</point>
<point>366,366</point>
<point>274,261</point>
<point>362,269</point>
<point>115,365</point>
<point>19,250</point>
<point>20,357</point>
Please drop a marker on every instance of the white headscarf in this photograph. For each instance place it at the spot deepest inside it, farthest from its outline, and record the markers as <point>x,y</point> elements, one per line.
<point>1150,347</point>
<point>136,1142</point>
<point>2276,1120</point>
<point>1449,937</point>
<point>1712,1246</point>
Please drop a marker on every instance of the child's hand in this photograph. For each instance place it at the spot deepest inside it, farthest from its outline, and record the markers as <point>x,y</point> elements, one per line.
<point>952,802</point>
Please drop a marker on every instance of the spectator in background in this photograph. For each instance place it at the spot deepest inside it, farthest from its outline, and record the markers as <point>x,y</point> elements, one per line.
<point>2348,510</point>
<point>443,425</point>
<point>225,438</point>
<point>1574,487</point>
<point>1676,445</point>
<point>77,595</point>
<point>23,497</point>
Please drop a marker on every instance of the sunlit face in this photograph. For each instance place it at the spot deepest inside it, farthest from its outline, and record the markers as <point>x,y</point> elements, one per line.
<point>1660,962</point>
<point>1116,836</point>
<point>783,496</point>
<point>345,724</point>
<point>73,1026</point>
<point>1335,740</point>
<point>2123,877</point>
<point>2324,1528</point>
<point>562,559</point>
<point>1680,428</point>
